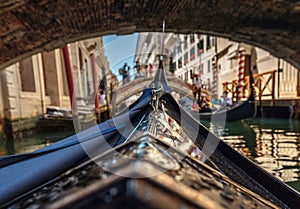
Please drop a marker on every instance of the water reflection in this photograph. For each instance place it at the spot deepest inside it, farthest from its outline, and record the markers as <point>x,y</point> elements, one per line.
<point>9,146</point>
<point>274,144</point>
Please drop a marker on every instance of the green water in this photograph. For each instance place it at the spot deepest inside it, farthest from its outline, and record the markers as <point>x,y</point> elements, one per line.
<point>29,144</point>
<point>274,144</point>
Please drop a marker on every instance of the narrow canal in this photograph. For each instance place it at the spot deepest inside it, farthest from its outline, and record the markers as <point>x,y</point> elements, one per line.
<point>274,144</point>
<point>29,144</point>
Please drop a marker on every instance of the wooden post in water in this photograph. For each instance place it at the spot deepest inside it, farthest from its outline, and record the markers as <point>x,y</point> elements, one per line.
<point>94,75</point>
<point>273,88</point>
<point>68,69</point>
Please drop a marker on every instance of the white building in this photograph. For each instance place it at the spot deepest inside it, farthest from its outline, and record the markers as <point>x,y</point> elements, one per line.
<point>148,48</point>
<point>217,62</point>
<point>194,54</point>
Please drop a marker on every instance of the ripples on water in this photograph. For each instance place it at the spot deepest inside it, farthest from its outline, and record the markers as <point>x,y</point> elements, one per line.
<point>274,144</point>
<point>29,144</point>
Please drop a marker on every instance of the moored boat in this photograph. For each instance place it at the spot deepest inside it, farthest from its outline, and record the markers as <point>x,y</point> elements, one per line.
<point>239,111</point>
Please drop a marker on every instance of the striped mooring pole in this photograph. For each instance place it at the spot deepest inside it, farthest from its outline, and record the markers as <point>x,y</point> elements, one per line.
<point>215,78</point>
<point>240,84</point>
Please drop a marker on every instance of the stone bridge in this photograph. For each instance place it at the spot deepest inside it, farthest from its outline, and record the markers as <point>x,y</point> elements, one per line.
<point>136,86</point>
<point>29,27</point>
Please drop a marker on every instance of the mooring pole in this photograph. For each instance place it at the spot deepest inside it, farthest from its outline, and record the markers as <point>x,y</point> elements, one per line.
<point>70,82</point>
<point>94,75</point>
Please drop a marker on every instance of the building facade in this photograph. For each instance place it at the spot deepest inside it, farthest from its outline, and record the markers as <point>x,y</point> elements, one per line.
<point>148,49</point>
<point>29,86</point>
<point>218,63</point>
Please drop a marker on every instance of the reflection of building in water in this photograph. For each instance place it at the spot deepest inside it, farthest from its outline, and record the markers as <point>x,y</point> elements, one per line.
<point>278,152</point>
<point>273,144</point>
<point>239,144</point>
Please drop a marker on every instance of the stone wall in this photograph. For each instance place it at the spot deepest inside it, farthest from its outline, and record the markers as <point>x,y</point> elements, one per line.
<point>29,27</point>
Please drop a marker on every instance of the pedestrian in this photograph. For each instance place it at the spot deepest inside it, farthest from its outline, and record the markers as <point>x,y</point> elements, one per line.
<point>138,68</point>
<point>196,87</point>
<point>150,70</point>
<point>125,73</point>
<point>102,99</point>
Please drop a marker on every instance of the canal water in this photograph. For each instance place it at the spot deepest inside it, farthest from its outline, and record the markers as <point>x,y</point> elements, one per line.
<point>274,144</point>
<point>29,144</point>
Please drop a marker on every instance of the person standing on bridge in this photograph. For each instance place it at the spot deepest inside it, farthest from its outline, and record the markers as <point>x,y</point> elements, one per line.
<point>138,68</point>
<point>196,86</point>
<point>150,70</point>
<point>125,73</point>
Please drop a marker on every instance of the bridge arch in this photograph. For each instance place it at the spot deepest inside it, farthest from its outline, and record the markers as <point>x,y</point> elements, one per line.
<point>29,27</point>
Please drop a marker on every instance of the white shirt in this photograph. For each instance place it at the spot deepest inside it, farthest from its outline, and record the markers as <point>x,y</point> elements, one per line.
<point>102,98</point>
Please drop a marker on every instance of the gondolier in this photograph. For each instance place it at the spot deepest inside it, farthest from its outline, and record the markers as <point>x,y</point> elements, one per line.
<point>196,86</point>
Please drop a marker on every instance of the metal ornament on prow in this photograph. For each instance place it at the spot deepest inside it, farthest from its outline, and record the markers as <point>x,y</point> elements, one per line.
<point>156,92</point>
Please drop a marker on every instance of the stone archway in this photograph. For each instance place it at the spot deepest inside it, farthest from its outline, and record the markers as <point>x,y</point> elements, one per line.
<point>29,27</point>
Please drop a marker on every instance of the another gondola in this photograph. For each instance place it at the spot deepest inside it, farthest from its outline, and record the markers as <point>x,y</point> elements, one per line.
<point>245,109</point>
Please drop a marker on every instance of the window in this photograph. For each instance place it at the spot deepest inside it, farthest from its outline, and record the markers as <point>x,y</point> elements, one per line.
<point>186,58</point>
<point>192,53</point>
<point>208,43</point>
<point>185,43</point>
<point>172,65</point>
<point>213,41</point>
<point>49,64</point>
<point>179,48</point>
<point>208,66</point>
<point>192,38</point>
<point>27,75</point>
<point>200,47</point>
<point>201,68</point>
<point>180,62</point>
<point>186,75</point>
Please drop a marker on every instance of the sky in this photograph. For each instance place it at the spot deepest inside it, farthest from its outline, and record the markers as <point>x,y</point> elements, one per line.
<point>120,49</point>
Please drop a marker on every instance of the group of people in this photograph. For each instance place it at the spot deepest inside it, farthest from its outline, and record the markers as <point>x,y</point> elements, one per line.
<point>141,71</point>
<point>202,100</point>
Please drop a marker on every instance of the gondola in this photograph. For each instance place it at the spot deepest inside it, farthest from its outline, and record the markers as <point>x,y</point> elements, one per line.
<point>245,109</point>
<point>155,155</point>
